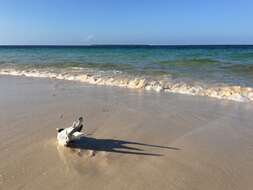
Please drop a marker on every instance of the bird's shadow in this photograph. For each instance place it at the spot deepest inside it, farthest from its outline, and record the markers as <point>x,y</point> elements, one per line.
<point>115,146</point>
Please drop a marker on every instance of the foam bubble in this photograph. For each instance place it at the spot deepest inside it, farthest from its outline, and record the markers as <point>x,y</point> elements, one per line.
<point>235,93</point>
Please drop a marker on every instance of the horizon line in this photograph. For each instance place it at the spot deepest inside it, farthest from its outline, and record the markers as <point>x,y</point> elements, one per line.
<point>126,45</point>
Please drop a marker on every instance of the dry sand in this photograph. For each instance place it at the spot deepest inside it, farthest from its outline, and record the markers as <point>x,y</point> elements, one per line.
<point>135,139</point>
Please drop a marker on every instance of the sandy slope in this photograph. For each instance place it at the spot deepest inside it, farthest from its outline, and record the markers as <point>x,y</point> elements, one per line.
<point>135,140</point>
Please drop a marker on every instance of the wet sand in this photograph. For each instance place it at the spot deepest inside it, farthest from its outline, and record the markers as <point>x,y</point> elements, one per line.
<point>134,139</point>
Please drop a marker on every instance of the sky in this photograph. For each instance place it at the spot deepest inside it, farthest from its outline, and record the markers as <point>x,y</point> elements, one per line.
<point>161,22</point>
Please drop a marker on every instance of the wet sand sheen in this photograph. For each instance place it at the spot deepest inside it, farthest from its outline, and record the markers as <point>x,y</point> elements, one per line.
<point>158,84</point>
<point>135,140</point>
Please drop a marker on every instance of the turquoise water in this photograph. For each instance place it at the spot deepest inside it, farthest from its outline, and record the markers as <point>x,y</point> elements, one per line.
<point>231,65</point>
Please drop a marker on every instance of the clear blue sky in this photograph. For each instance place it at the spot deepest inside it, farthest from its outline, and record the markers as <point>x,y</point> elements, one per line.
<point>126,22</point>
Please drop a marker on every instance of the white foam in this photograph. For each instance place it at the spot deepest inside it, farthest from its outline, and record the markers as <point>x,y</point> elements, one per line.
<point>235,93</point>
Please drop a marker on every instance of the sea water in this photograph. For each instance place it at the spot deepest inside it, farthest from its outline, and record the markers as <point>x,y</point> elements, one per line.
<point>224,72</point>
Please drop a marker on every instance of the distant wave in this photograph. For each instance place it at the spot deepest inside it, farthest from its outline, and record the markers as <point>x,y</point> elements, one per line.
<point>104,66</point>
<point>124,80</point>
<point>194,62</point>
<point>243,56</point>
<point>238,68</point>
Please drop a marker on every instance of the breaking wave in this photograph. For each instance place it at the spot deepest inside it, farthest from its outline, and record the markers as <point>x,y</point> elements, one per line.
<point>126,80</point>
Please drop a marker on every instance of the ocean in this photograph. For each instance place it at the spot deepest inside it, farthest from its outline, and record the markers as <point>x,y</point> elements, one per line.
<point>220,71</point>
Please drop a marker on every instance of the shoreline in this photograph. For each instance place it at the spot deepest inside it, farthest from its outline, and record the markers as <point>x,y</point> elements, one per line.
<point>134,139</point>
<point>226,92</point>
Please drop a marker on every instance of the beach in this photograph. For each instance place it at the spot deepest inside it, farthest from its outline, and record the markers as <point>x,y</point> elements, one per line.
<point>135,139</point>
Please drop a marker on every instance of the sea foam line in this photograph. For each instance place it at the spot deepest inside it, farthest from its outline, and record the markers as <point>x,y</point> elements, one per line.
<point>235,93</point>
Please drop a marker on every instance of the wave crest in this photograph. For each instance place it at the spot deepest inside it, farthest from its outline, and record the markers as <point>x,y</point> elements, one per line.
<point>114,78</point>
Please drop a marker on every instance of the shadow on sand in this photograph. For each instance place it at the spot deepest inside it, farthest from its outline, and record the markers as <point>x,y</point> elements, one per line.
<point>115,146</point>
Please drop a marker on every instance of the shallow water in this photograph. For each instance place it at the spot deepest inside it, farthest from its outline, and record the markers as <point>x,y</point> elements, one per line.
<point>195,70</point>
